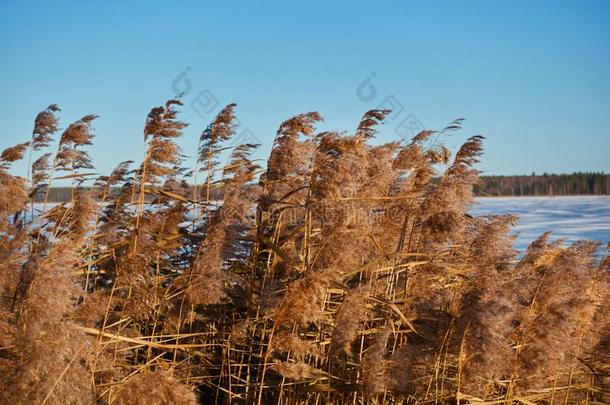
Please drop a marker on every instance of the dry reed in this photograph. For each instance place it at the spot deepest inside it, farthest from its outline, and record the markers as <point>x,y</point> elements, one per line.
<point>346,272</point>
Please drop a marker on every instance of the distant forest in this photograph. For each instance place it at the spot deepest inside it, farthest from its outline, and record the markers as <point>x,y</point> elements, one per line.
<point>525,185</point>
<point>545,184</point>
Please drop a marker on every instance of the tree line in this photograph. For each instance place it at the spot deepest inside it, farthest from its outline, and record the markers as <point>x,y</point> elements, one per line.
<point>579,183</point>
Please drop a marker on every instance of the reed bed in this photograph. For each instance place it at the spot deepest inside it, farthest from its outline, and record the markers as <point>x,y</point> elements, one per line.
<point>344,271</point>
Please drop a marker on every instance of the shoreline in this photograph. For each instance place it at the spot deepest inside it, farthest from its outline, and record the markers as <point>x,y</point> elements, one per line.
<point>571,196</point>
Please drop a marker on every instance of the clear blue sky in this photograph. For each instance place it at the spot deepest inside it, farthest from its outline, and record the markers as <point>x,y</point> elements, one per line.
<point>532,76</point>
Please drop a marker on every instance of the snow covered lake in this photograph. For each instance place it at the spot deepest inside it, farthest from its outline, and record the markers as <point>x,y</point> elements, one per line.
<point>573,218</point>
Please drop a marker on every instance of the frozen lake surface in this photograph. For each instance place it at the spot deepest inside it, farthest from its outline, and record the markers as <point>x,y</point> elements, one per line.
<point>573,218</point>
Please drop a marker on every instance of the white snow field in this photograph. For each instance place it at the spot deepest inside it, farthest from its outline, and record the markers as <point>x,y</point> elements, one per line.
<point>572,218</point>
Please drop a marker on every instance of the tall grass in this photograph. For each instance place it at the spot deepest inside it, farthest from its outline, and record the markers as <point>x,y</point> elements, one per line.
<point>339,273</point>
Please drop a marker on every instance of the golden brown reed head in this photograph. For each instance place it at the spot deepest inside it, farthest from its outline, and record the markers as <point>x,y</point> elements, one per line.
<point>12,154</point>
<point>45,125</point>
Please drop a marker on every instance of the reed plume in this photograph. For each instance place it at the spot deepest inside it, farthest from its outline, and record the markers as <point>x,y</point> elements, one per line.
<point>78,134</point>
<point>45,125</point>
<point>49,350</point>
